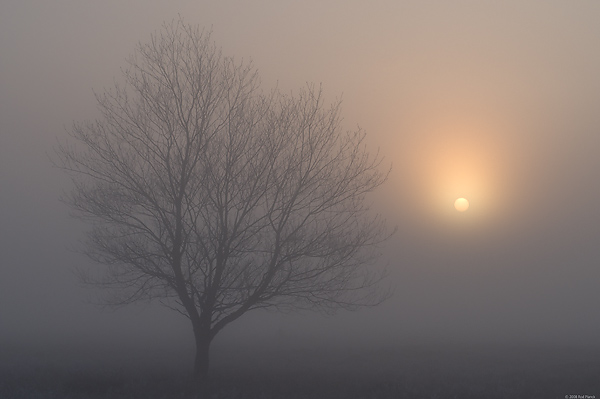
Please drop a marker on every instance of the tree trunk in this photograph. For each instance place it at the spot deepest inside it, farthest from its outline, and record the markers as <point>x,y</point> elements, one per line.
<point>201,361</point>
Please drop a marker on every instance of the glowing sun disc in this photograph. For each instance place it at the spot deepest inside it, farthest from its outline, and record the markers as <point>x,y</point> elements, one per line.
<point>461,204</point>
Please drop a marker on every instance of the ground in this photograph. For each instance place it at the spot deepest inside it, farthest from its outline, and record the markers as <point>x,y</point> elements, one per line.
<point>409,372</point>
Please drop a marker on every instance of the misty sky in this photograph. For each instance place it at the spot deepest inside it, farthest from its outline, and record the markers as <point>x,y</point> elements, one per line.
<point>498,102</point>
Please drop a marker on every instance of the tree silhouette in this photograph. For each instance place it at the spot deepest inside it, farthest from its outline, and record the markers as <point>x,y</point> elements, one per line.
<point>219,199</point>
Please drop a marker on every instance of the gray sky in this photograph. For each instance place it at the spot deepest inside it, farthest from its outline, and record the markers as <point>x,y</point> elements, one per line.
<point>494,101</point>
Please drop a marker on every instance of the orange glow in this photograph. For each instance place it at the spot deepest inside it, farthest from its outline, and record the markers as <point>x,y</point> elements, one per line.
<point>449,158</point>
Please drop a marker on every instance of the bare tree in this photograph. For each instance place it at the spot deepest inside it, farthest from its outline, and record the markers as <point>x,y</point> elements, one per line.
<point>218,199</point>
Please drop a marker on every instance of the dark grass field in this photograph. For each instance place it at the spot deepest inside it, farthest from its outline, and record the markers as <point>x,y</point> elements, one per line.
<point>417,372</point>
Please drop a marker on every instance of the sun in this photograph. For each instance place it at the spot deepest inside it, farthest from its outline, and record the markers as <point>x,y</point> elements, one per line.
<point>461,204</point>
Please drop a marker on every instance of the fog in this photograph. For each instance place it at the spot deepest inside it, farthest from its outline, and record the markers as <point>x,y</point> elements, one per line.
<point>496,102</point>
